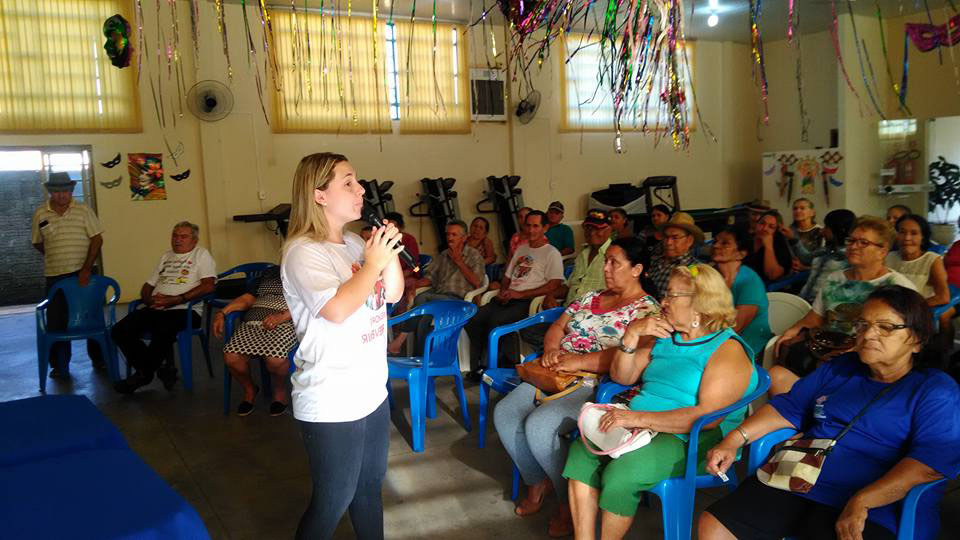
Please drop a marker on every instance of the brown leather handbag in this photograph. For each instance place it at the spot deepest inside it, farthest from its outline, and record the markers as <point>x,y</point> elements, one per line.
<point>555,384</point>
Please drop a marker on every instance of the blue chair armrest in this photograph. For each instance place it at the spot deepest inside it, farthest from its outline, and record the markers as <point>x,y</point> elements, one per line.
<point>760,449</point>
<point>608,389</point>
<point>230,323</point>
<point>403,317</point>
<point>493,343</point>
<point>792,279</point>
<point>135,305</point>
<point>954,300</point>
<point>190,304</point>
<point>763,384</point>
<point>41,315</point>
<point>908,513</point>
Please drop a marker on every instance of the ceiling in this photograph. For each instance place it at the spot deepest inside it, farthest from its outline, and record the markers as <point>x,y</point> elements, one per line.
<point>734,25</point>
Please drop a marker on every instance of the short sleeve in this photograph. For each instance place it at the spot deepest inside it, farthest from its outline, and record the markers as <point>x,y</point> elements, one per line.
<point>155,276</point>
<point>92,223</point>
<point>35,237</point>
<point>206,266</point>
<point>818,306</point>
<point>568,238</point>
<point>578,304</point>
<point>749,291</point>
<point>509,270</point>
<point>900,279</point>
<point>311,276</point>
<point>794,405</point>
<point>936,425</point>
<point>554,268</point>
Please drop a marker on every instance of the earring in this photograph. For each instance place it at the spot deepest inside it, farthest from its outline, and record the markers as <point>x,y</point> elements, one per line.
<point>696,323</point>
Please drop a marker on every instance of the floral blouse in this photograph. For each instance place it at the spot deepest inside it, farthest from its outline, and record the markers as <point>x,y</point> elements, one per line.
<point>591,329</point>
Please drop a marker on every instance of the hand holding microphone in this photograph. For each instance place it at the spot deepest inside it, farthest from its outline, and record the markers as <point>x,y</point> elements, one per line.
<point>385,236</point>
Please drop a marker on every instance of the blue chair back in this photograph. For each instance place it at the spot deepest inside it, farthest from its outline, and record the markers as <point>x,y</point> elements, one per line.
<point>493,343</point>
<point>939,249</point>
<point>250,271</point>
<point>85,304</point>
<point>449,318</point>
<point>424,261</point>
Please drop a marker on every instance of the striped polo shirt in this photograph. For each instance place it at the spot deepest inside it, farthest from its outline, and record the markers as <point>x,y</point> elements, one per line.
<point>65,238</point>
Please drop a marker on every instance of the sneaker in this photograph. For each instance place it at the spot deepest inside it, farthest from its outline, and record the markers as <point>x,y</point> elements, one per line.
<point>168,376</point>
<point>277,408</point>
<point>132,383</point>
<point>59,374</point>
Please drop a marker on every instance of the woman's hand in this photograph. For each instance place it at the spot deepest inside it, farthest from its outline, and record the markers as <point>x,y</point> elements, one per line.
<point>273,320</point>
<point>654,325</point>
<point>219,321</point>
<point>567,362</point>
<point>720,458</point>
<point>551,358</point>
<point>852,520</point>
<point>619,417</point>
<point>788,335</point>
<point>382,247</point>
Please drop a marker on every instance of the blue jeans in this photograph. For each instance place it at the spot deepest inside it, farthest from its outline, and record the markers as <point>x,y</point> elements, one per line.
<point>531,434</point>
<point>348,461</point>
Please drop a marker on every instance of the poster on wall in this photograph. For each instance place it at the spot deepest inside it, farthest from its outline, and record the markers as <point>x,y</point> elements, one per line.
<point>146,177</point>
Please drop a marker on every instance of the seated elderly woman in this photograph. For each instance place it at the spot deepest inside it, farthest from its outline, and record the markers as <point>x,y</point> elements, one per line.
<point>697,364</point>
<point>266,331</point>
<point>924,268</point>
<point>584,338</point>
<point>827,330</point>
<point>897,443</point>
<point>730,247</point>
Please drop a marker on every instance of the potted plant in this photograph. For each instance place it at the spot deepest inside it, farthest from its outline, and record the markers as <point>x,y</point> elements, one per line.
<point>945,177</point>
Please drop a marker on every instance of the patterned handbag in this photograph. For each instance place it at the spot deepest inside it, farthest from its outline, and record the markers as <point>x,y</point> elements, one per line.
<point>796,464</point>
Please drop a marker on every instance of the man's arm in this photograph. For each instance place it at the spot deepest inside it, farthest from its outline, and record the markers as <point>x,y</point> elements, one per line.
<point>39,247</point>
<point>468,273</point>
<point>93,251</point>
<point>146,294</point>
<point>205,287</point>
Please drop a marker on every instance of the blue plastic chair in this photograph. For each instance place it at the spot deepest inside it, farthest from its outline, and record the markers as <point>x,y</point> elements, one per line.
<point>939,249</point>
<point>231,321</point>
<point>250,271</point>
<point>185,340</point>
<point>940,310</point>
<point>677,494</point>
<point>85,320</point>
<point>761,448</point>
<point>789,281</point>
<point>503,380</point>
<point>439,359</point>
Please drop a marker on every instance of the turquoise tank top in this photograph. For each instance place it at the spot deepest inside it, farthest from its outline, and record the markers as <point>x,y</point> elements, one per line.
<point>672,379</point>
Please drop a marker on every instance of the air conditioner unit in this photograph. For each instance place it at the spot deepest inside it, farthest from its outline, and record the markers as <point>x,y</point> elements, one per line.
<point>487,95</point>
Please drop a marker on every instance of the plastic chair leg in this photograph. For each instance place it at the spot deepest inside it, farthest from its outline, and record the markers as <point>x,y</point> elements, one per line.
<point>227,387</point>
<point>482,415</point>
<point>431,397</point>
<point>390,395</point>
<point>462,394</point>
<point>418,411</point>
<point>205,342</point>
<point>676,508</point>
<point>43,356</point>
<point>515,483</point>
<point>184,341</point>
<point>103,342</point>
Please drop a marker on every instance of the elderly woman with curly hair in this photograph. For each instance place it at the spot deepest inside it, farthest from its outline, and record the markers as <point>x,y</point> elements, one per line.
<point>689,363</point>
<point>908,434</point>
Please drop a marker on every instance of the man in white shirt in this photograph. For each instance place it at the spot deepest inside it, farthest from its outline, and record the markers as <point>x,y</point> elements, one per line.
<point>535,269</point>
<point>185,273</point>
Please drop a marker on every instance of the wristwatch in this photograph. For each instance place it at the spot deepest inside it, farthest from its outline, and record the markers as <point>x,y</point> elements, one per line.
<point>624,348</point>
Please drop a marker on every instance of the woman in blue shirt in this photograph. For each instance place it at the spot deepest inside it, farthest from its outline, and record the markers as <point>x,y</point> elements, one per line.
<point>730,247</point>
<point>909,436</point>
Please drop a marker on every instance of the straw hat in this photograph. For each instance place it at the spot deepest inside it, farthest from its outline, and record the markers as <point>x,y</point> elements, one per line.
<point>683,220</point>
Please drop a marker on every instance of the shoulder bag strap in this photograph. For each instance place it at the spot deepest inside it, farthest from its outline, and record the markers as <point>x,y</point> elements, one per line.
<point>879,395</point>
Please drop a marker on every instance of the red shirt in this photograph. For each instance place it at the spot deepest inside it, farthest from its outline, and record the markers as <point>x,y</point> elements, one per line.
<point>952,261</point>
<point>410,244</point>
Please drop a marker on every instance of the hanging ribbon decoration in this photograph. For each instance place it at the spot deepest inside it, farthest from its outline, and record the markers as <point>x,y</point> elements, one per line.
<point>834,35</point>
<point>886,61</point>
<point>195,32</point>
<point>222,29</point>
<point>804,117</point>
<point>756,46</point>
<point>861,53</point>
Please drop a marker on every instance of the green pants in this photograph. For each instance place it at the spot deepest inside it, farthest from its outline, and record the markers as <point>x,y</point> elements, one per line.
<point>621,481</point>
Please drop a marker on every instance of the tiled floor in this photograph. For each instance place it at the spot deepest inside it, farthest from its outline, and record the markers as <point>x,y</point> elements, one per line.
<point>248,477</point>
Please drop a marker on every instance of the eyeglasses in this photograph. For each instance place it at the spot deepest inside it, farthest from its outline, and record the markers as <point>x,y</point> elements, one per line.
<point>860,242</point>
<point>675,237</point>
<point>675,295</point>
<point>884,328</point>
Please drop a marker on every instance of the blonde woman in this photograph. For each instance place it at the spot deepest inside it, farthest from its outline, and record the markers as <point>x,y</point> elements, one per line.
<point>697,365</point>
<point>337,287</point>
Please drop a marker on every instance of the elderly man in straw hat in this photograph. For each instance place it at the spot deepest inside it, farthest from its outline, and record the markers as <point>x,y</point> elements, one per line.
<point>680,234</point>
<point>69,236</point>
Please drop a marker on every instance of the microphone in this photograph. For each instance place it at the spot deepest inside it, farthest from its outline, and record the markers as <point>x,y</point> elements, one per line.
<point>370,216</point>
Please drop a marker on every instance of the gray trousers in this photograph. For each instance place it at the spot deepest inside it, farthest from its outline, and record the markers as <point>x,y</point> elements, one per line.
<point>532,434</point>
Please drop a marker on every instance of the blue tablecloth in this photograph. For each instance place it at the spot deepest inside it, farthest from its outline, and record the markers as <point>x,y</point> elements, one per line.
<point>96,494</point>
<point>47,426</point>
<point>67,472</point>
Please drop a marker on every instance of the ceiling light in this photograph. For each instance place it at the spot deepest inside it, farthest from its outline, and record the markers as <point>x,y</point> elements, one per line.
<point>714,4</point>
<point>712,20</point>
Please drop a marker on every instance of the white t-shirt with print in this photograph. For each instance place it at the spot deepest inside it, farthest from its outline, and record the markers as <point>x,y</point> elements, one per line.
<point>532,268</point>
<point>341,367</point>
<point>178,273</point>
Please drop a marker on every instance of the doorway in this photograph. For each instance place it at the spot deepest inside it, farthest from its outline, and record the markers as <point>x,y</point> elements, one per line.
<point>23,170</point>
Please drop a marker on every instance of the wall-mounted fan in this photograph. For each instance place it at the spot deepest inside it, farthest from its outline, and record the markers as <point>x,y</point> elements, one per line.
<point>527,108</point>
<point>210,100</point>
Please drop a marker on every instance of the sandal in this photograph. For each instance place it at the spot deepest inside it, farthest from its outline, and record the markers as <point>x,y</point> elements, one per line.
<point>527,506</point>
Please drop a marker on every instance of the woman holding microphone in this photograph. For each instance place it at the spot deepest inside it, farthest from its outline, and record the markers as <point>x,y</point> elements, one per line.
<point>337,287</point>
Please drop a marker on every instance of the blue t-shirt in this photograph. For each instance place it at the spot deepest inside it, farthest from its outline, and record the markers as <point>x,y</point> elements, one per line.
<point>748,290</point>
<point>919,419</point>
<point>560,236</point>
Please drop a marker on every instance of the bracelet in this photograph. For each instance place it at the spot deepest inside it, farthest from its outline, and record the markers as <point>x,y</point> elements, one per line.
<point>746,440</point>
<point>624,348</point>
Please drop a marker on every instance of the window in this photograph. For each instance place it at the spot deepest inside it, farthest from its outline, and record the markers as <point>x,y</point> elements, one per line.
<point>343,89</point>
<point>588,105</point>
<point>54,73</point>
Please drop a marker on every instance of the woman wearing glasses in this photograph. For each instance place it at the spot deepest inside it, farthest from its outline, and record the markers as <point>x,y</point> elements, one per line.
<point>897,443</point>
<point>827,329</point>
<point>690,362</point>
